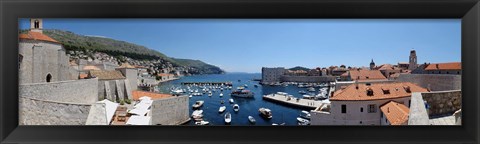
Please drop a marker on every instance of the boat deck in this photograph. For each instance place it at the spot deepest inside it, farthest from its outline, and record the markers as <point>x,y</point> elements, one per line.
<point>303,103</point>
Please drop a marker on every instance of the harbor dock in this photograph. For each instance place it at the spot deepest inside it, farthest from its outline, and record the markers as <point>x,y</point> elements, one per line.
<point>207,83</point>
<point>293,101</point>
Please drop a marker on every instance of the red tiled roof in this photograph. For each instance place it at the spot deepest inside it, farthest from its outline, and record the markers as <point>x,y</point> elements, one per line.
<point>396,90</point>
<point>138,94</point>
<point>37,36</point>
<point>83,76</point>
<point>444,66</point>
<point>396,113</point>
<point>366,75</point>
<point>386,67</point>
<point>165,74</point>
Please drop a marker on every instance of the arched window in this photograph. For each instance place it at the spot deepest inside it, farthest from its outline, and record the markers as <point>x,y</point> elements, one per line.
<point>36,24</point>
<point>361,109</point>
<point>49,78</point>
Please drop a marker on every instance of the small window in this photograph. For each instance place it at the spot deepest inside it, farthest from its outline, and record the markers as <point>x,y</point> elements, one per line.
<point>344,108</point>
<point>372,108</point>
<point>49,78</point>
<point>369,92</point>
<point>361,109</point>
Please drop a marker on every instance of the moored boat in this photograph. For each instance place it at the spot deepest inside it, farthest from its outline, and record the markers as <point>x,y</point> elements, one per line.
<point>236,107</point>
<point>265,112</point>
<point>242,93</point>
<point>228,117</point>
<point>202,122</point>
<point>305,114</point>
<point>197,114</point>
<point>198,104</point>
<point>222,109</point>
<point>251,119</point>
<point>302,121</point>
<point>231,101</point>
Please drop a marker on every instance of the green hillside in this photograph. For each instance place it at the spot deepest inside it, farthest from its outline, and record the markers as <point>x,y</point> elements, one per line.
<point>72,41</point>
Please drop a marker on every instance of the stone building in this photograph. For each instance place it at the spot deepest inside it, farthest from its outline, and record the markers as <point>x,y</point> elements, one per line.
<point>130,73</point>
<point>49,92</point>
<point>272,75</point>
<point>41,58</point>
<point>361,104</point>
<point>454,68</point>
<point>112,85</point>
<point>412,63</point>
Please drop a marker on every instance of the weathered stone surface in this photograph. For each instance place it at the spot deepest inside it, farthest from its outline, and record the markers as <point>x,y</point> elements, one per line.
<point>75,91</point>
<point>170,111</point>
<point>442,102</point>
<point>97,115</point>
<point>119,90</point>
<point>436,82</point>
<point>418,113</point>
<point>38,112</point>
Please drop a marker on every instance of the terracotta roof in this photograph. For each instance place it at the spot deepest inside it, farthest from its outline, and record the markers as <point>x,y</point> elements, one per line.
<point>396,113</point>
<point>126,65</point>
<point>445,66</point>
<point>380,91</point>
<point>83,76</point>
<point>138,94</point>
<point>90,67</point>
<point>37,36</point>
<point>165,74</point>
<point>387,67</point>
<point>366,75</point>
<point>107,74</point>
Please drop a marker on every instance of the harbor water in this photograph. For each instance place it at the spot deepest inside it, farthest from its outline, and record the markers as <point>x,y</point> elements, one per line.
<point>248,106</point>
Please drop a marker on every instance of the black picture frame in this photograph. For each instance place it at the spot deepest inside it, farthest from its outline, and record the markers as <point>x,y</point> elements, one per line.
<point>11,11</point>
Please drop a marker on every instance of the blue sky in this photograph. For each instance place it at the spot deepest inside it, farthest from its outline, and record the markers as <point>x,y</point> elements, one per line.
<point>246,45</point>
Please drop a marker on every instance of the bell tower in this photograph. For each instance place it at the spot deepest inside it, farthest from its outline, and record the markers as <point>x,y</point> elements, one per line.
<point>372,65</point>
<point>36,25</point>
<point>413,60</point>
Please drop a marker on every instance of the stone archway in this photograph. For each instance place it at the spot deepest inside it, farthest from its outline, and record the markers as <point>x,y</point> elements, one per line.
<point>49,77</point>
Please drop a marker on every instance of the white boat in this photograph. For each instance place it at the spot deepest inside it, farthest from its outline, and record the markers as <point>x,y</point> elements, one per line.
<point>190,96</point>
<point>231,101</point>
<point>236,107</point>
<point>245,85</point>
<point>305,114</point>
<point>198,104</point>
<point>302,121</point>
<point>251,119</point>
<point>222,109</point>
<point>311,89</point>
<point>308,97</point>
<point>265,112</point>
<point>197,114</point>
<point>302,92</point>
<point>202,122</point>
<point>228,118</point>
<point>221,94</point>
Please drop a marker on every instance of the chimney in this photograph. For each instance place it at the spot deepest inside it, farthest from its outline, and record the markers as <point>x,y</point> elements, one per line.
<point>436,66</point>
<point>388,109</point>
<point>356,85</point>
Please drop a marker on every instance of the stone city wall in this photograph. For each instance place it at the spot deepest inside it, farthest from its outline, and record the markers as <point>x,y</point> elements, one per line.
<point>75,91</point>
<point>170,111</point>
<point>40,112</point>
<point>436,82</point>
<point>443,102</point>
<point>307,79</point>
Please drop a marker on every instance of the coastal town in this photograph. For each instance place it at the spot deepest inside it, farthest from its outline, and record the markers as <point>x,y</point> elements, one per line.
<point>74,87</point>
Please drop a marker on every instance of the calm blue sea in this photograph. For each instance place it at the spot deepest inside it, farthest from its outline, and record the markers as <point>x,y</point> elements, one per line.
<point>248,106</point>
